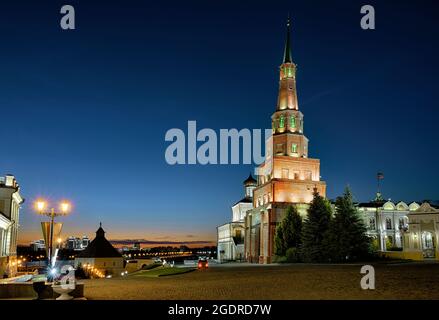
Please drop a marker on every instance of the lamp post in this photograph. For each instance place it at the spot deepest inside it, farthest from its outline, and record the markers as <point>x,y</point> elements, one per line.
<point>59,241</point>
<point>64,209</point>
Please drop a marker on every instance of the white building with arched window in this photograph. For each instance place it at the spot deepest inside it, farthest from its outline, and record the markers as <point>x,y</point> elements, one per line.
<point>230,239</point>
<point>401,230</point>
<point>10,204</point>
<point>422,239</point>
<point>387,222</point>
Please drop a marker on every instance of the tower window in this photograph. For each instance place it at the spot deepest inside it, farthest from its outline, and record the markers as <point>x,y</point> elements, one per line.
<point>293,122</point>
<point>288,72</point>
<point>294,148</point>
<point>281,122</point>
<point>280,148</point>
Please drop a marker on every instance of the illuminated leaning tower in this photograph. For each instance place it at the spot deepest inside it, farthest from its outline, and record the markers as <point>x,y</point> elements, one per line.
<point>287,176</point>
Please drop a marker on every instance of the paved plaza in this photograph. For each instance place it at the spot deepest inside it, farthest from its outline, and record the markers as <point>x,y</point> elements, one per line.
<point>299,281</point>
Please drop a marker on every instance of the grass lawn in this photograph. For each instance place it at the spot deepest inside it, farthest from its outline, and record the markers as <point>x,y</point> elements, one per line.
<point>152,266</point>
<point>161,272</point>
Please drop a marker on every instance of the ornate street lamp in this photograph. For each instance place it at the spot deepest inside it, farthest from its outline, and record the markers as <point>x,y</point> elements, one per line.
<point>64,209</point>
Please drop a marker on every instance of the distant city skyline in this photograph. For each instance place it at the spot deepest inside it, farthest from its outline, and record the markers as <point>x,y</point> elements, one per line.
<point>144,243</point>
<point>88,109</point>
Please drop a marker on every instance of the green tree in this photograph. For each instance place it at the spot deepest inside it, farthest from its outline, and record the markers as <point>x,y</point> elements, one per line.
<point>279,247</point>
<point>346,238</point>
<point>288,232</point>
<point>292,228</point>
<point>315,227</point>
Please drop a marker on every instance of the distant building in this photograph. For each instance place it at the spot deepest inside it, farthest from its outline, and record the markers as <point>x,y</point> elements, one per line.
<point>136,246</point>
<point>76,243</point>
<point>231,235</point>
<point>85,242</point>
<point>101,255</point>
<point>10,203</point>
<point>70,243</point>
<point>38,245</point>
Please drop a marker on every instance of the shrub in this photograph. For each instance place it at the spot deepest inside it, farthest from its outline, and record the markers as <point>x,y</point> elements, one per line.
<point>279,259</point>
<point>292,255</point>
<point>374,245</point>
<point>80,273</point>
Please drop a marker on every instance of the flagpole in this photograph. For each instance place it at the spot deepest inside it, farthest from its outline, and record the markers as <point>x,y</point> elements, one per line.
<point>378,183</point>
<point>380,176</point>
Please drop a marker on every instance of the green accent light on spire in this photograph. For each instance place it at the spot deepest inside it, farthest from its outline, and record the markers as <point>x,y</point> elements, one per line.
<point>293,122</point>
<point>281,122</point>
<point>294,148</point>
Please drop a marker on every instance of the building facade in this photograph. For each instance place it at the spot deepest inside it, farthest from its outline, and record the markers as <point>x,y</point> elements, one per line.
<point>421,242</point>
<point>38,245</point>
<point>288,176</point>
<point>136,246</point>
<point>76,243</point>
<point>10,203</point>
<point>386,222</point>
<point>230,236</point>
<point>402,230</point>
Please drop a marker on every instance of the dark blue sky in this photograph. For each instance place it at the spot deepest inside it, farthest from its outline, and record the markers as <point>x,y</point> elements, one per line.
<point>84,113</point>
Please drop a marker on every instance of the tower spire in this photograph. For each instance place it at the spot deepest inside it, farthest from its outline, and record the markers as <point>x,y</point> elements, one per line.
<point>287,51</point>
